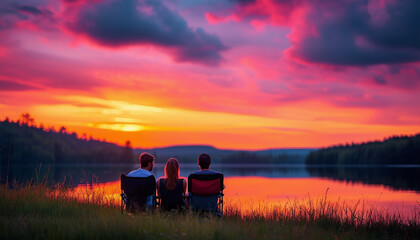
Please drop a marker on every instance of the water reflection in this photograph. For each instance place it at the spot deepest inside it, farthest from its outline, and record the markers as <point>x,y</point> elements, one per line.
<point>80,174</point>
<point>285,190</point>
<point>256,186</point>
<point>70,175</point>
<point>261,194</point>
<point>396,177</point>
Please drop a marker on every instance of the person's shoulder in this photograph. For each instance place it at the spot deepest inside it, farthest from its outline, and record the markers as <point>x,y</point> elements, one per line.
<point>210,172</point>
<point>205,172</point>
<point>139,173</point>
<point>132,173</point>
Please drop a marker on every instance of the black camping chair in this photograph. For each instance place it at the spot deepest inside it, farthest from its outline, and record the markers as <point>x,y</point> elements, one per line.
<point>134,192</point>
<point>206,192</point>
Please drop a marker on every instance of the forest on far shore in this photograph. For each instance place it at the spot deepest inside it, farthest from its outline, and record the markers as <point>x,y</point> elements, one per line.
<point>22,142</point>
<point>404,150</point>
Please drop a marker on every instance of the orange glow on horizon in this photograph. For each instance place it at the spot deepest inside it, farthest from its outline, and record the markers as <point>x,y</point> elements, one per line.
<point>148,126</point>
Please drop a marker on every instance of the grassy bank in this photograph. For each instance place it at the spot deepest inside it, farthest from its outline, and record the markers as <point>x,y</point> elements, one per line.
<point>37,212</point>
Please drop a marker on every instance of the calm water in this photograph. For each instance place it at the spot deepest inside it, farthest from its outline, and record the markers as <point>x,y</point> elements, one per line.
<point>391,188</point>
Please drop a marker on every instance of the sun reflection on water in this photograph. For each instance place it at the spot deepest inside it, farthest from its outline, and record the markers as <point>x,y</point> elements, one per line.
<point>259,195</point>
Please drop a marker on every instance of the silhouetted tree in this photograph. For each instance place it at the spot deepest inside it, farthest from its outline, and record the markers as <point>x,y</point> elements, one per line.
<point>27,120</point>
<point>127,153</point>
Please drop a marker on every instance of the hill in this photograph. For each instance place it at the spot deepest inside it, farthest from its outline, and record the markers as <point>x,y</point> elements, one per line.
<point>189,154</point>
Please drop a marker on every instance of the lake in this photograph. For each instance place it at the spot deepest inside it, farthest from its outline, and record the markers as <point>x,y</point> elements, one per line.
<point>253,187</point>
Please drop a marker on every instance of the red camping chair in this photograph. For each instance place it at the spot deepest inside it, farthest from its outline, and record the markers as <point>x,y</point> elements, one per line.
<point>134,192</point>
<point>206,192</point>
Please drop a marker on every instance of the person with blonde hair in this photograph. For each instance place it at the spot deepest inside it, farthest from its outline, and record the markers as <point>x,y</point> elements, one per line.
<point>171,188</point>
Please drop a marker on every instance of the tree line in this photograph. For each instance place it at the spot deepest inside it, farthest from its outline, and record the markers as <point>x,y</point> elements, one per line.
<point>392,150</point>
<point>22,142</point>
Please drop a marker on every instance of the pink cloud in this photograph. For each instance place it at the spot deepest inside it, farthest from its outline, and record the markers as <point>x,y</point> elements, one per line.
<point>270,11</point>
<point>46,71</point>
<point>258,25</point>
<point>214,19</point>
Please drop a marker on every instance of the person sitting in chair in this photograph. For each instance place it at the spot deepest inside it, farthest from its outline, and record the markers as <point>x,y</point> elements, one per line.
<point>205,187</point>
<point>204,162</point>
<point>171,189</point>
<point>147,162</point>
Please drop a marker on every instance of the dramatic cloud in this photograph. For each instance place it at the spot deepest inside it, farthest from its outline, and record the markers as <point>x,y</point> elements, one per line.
<point>128,22</point>
<point>348,33</point>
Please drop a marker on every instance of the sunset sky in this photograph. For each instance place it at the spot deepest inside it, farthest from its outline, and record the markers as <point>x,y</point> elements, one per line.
<point>250,74</point>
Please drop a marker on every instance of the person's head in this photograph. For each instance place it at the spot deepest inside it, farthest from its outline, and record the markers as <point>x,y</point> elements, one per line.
<point>171,173</point>
<point>204,161</point>
<point>147,161</point>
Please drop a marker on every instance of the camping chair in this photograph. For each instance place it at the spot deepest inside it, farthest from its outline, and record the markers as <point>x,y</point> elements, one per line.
<point>206,192</point>
<point>134,192</point>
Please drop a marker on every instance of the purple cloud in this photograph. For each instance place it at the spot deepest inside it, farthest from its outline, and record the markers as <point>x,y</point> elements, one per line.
<point>117,23</point>
<point>14,86</point>
<point>29,9</point>
<point>12,12</point>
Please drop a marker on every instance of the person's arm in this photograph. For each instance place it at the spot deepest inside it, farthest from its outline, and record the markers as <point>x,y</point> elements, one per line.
<point>184,190</point>
<point>157,187</point>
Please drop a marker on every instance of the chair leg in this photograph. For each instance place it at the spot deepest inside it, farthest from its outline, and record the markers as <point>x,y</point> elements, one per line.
<point>122,206</point>
<point>123,201</point>
<point>221,204</point>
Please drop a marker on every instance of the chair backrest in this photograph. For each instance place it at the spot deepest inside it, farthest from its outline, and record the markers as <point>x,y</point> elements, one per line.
<point>171,199</point>
<point>205,190</point>
<point>137,189</point>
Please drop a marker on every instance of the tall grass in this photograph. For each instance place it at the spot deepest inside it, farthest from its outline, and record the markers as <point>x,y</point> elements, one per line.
<point>322,210</point>
<point>35,211</point>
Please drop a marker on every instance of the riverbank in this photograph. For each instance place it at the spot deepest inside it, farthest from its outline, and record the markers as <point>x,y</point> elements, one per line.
<point>38,212</point>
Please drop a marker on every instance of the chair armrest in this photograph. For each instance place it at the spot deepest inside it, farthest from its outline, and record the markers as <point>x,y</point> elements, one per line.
<point>156,201</point>
<point>124,197</point>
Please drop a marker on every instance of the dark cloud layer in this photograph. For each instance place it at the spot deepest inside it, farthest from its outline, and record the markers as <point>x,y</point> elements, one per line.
<point>349,36</point>
<point>13,12</point>
<point>29,9</point>
<point>402,29</point>
<point>346,31</point>
<point>244,1</point>
<point>14,86</point>
<point>128,22</point>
